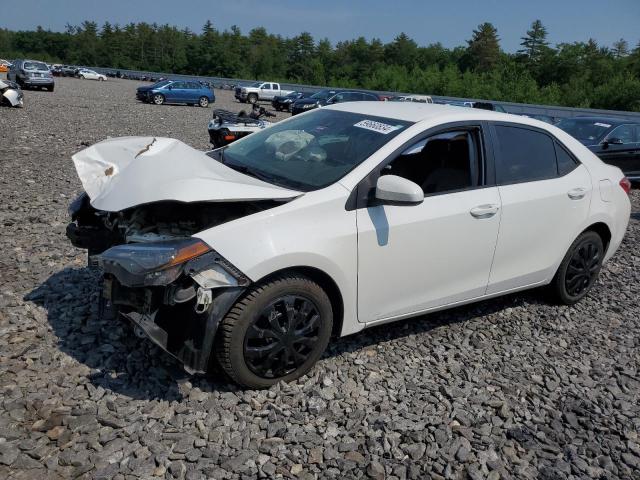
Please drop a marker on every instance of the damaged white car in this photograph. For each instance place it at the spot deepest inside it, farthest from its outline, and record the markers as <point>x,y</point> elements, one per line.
<point>257,254</point>
<point>11,94</point>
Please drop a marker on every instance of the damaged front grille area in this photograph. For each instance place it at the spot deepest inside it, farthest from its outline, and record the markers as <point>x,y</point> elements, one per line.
<point>172,286</point>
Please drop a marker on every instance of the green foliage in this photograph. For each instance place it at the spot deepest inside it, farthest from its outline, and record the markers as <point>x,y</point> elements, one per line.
<point>580,74</point>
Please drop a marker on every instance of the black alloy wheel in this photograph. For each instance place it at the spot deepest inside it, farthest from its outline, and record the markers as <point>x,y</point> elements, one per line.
<point>579,269</point>
<point>583,268</point>
<point>276,332</point>
<point>282,336</point>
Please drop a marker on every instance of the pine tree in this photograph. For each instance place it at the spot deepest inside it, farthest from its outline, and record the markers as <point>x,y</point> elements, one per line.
<point>483,51</point>
<point>535,42</point>
<point>620,48</point>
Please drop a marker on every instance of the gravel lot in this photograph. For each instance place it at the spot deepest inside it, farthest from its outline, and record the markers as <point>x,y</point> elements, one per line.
<point>508,388</point>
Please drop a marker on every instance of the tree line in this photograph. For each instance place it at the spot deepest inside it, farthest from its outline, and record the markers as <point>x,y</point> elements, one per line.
<point>578,74</point>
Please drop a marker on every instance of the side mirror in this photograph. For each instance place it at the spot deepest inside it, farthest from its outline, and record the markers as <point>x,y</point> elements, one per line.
<point>396,190</point>
<point>614,141</point>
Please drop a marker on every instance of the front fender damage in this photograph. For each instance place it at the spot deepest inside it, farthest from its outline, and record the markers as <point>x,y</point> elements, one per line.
<point>153,194</point>
<point>182,316</point>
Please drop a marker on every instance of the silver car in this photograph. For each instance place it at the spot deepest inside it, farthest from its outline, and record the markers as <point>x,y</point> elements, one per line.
<point>30,74</point>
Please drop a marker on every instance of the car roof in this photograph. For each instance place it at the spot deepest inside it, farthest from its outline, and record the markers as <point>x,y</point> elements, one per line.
<point>611,120</point>
<point>416,112</point>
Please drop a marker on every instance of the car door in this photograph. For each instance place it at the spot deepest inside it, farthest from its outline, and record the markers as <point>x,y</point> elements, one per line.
<point>193,92</point>
<point>415,258</point>
<point>545,194</point>
<point>620,147</point>
<point>266,91</point>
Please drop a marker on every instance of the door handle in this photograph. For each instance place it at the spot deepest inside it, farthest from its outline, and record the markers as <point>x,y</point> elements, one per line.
<point>577,193</point>
<point>484,211</point>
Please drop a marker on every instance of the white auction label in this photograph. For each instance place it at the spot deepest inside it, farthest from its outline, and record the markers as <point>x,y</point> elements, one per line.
<point>377,126</point>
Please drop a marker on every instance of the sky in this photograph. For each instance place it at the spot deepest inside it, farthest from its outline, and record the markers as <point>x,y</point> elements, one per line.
<point>449,22</point>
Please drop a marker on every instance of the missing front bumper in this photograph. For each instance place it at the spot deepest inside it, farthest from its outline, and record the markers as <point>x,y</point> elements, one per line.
<point>179,330</point>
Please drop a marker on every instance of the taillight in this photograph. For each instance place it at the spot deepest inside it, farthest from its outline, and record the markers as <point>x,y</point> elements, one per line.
<point>625,183</point>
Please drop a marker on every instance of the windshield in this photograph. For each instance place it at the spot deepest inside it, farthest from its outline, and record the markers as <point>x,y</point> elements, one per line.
<point>311,151</point>
<point>256,85</point>
<point>161,83</point>
<point>35,66</point>
<point>585,130</point>
<point>323,94</point>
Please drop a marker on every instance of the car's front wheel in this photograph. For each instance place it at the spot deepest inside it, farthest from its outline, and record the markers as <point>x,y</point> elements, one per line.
<point>579,269</point>
<point>277,331</point>
<point>203,102</point>
<point>158,99</point>
<point>252,98</point>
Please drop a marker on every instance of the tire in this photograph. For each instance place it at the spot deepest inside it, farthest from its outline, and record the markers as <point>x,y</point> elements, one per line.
<point>101,79</point>
<point>158,99</point>
<point>82,77</point>
<point>579,269</point>
<point>252,98</point>
<point>49,89</point>
<point>258,325</point>
<point>203,102</point>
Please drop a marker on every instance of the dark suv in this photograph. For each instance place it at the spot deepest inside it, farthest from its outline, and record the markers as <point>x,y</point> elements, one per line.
<point>329,97</point>
<point>31,73</point>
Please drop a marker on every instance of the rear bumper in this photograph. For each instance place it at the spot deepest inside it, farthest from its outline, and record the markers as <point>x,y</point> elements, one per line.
<point>40,82</point>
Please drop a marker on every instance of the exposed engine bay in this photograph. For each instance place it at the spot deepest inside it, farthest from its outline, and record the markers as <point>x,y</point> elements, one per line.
<point>97,230</point>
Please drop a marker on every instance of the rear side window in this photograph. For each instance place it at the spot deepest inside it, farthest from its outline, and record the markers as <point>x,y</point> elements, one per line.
<point>566,162</point>
<point>525,155</point>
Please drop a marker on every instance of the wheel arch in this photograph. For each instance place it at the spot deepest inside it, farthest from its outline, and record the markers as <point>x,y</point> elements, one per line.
<point>327,283</point>
<point>603,230</point>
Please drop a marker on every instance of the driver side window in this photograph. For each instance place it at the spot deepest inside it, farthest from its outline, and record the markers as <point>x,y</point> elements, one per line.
<point>624,133</point>
<point>442,163</point>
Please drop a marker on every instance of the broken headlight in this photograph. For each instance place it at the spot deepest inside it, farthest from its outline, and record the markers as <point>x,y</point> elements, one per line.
<point>154,263</point>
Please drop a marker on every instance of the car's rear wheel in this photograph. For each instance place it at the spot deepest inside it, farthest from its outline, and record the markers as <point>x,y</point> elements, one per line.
<point>158,99</point>
<point>252,98</point>
<point>277,331</point>
<point>203,102</point>
<point>579,269</point>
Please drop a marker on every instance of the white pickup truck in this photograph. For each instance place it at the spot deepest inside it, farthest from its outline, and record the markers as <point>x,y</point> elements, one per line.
<point>260,91</point>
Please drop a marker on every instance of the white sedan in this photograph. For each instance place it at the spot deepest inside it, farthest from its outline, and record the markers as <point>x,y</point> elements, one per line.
<point>87,74</point>
<point>257,255</point>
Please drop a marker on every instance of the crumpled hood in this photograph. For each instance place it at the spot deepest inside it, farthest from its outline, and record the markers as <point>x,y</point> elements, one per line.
<point>125,172</point>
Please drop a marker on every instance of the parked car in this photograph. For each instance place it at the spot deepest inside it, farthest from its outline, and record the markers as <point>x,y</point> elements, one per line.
<point>176,91</point>
<point>411,98</point>
<point>226,127</point>
<point>284,102</point>
<point>616,141</point>
<point>86,74</point>
<point>10,94</point>
<point>260,91</point>
<point>494,107</point>
<point>542,117</point>
<point>31,74</point>
<point>327,223</point>
<point>330,97</point>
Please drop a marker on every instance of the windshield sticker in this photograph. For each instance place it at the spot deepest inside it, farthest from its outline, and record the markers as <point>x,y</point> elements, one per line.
<point>605,125</point>
<point>377,126</point>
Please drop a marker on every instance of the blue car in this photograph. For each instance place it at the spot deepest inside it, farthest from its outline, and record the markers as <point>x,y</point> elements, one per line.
<point>177,91</point>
